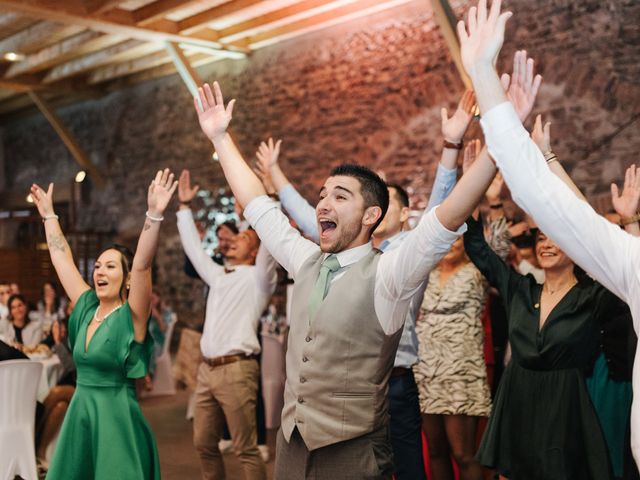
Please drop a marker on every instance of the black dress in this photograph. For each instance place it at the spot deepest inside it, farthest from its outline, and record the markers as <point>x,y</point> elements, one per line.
<point>543,425</point>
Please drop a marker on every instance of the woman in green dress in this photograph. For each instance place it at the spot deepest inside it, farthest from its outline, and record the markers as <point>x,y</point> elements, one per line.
<point>543,425</point>
<point>104,434</point>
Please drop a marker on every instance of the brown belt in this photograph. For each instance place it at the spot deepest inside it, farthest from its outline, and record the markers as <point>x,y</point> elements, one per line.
<point>400,371</point>
<point>226,359</point>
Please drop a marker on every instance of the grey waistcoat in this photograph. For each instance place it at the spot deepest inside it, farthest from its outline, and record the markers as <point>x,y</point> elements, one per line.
<point>338,363</point>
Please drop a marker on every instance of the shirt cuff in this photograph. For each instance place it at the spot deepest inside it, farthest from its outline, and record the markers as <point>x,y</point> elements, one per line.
<point>500,119</point>
<point>257,208</point>
<point>443,233</point>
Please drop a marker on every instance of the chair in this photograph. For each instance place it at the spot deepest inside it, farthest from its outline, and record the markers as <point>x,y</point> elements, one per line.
<point>19,381</point>
<point>163,383</point>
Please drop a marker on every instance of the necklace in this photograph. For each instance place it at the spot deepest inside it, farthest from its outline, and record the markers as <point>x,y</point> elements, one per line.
<point>100,320</point>
<point>551,291</point>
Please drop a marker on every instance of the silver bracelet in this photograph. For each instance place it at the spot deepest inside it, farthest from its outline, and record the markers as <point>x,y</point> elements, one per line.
<point>154,219</point>
<point>49,217</point>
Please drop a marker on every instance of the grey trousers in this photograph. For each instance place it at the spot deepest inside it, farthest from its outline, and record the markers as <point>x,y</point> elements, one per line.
<point>366,457</point>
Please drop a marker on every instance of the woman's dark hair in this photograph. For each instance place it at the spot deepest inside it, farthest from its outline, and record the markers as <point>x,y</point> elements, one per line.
<point>19,296</point>
<point>56,301</point>
<point>126,260</point>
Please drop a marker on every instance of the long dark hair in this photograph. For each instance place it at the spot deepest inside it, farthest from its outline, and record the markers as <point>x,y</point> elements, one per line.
<point>56,301</point>
<point>126,259</point>
<point>19,296</point>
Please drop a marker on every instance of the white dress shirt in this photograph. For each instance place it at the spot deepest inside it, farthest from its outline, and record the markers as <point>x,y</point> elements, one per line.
<point>401,272</point>
<point>236,300</point>
<point>602,249</point>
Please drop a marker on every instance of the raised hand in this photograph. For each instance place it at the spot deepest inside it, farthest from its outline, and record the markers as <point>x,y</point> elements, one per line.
<point>160,192</point>
<point>542,136</point>
<point>494,192</point>
<point>482,37</point>
<point>268,153</point>
<point>214,118</point>
<point>186,192</point>
<point>626,205</point>
<point>43,200</point>
<point>522,86</point>
<point>453,128</point>
<point>471,153</point>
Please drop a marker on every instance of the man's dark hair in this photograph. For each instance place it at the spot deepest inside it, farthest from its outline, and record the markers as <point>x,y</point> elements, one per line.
<point>230,224</point>
<point>374,189</point>
<point>401,193</point>
<point>4,282</point>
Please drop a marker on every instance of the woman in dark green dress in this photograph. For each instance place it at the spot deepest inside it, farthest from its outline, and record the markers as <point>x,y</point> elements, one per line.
<point>543,425</point>
<point>104,434</point>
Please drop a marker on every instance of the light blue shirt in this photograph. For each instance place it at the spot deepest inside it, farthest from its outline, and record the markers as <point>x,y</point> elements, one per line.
<point>305,216</point>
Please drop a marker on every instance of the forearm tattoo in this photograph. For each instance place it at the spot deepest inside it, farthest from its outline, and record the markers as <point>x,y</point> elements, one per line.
<point>57,243</point>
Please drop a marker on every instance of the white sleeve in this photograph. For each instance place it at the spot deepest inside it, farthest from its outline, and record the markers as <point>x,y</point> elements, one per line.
<point>606,252</point>
<point>288,247</point>
<point>206,268</point>
<point>300,210</point>
<point>403,270</point>
<point>266,275</point>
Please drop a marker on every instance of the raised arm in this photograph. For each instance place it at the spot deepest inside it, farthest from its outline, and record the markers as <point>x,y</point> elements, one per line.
<point>202,263</point>
<point>266,274</point>
<point>61,256</point>
<point>214,119</point>
<point>158,196</point>
<point>453,130</point>
<point>290,199</point>
<point>626,205</point>
<point>283,241</point>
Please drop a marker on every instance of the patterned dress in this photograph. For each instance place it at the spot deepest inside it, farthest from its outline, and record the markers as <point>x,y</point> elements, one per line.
<point>451,373</point>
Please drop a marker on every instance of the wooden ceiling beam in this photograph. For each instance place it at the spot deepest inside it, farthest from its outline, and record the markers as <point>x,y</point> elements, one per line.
<point>446,20</point>
<point>158,10</point>
<point>241,29</point>
<point>68,12</point>
<point>197,21</point>
<point>68,48</point>
<point>93,7</point>
<point>9,19</point>
<point>110,72</point>
<point>22,84</point>
<point>68,139</point>
<point>114,53</point>
<point>36,36</point>
<point>322,20</point>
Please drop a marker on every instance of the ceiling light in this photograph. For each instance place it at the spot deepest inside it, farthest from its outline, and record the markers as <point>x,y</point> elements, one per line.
<point>29,198</point>
<point>215,156</point>
<point>80,176</point>
<point>13,57</point>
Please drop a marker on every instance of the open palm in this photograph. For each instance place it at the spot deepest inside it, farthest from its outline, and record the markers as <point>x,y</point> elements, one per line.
<point>160,191</point>
<point>213,117</point>
<point>626,204</point>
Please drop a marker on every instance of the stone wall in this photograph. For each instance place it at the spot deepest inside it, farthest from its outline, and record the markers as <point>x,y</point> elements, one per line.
<point>368,91</point>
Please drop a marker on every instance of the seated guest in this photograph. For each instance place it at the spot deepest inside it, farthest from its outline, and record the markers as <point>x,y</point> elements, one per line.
<point>21,331</point>
<point>50,306</point>
<point>5,293</point>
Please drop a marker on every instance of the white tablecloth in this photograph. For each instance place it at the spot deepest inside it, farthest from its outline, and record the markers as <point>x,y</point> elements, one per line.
<point>51,372</point>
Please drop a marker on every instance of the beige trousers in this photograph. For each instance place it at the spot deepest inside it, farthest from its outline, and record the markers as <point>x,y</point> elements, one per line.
<point>227,392</point>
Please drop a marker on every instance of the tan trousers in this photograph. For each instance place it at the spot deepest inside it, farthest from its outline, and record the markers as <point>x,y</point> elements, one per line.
<point>227,392</point>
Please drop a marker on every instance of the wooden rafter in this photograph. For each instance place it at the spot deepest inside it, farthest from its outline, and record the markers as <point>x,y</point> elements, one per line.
<point>68,48</point>
<point>69,13</point>
<point>158,10</point>
<point>196,22</point>
<point>115,70</point>
<point>93,7</point>
<point>188,74</point>
<point>321,20</point>
<point>37,36</point>
<point>121,51</point>
<point>241,29</point>
<point>446,20</point>
<point>65,135</point>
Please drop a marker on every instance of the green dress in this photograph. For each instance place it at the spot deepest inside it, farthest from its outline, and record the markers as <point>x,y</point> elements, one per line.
<point>543,425</point>
<point>104,435</point>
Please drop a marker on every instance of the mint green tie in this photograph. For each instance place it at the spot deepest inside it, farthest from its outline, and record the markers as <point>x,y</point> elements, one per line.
<point>329,265</point>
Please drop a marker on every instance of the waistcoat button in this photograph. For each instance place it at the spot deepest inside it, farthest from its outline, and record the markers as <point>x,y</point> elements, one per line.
<point>305,359</point>
<point>300,400</point>
<point>302,379</point>
<point>308,339</point>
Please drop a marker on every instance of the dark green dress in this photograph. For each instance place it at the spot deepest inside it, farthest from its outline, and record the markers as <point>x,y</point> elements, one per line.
<point>104,435</point>
<point>543,425</point>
